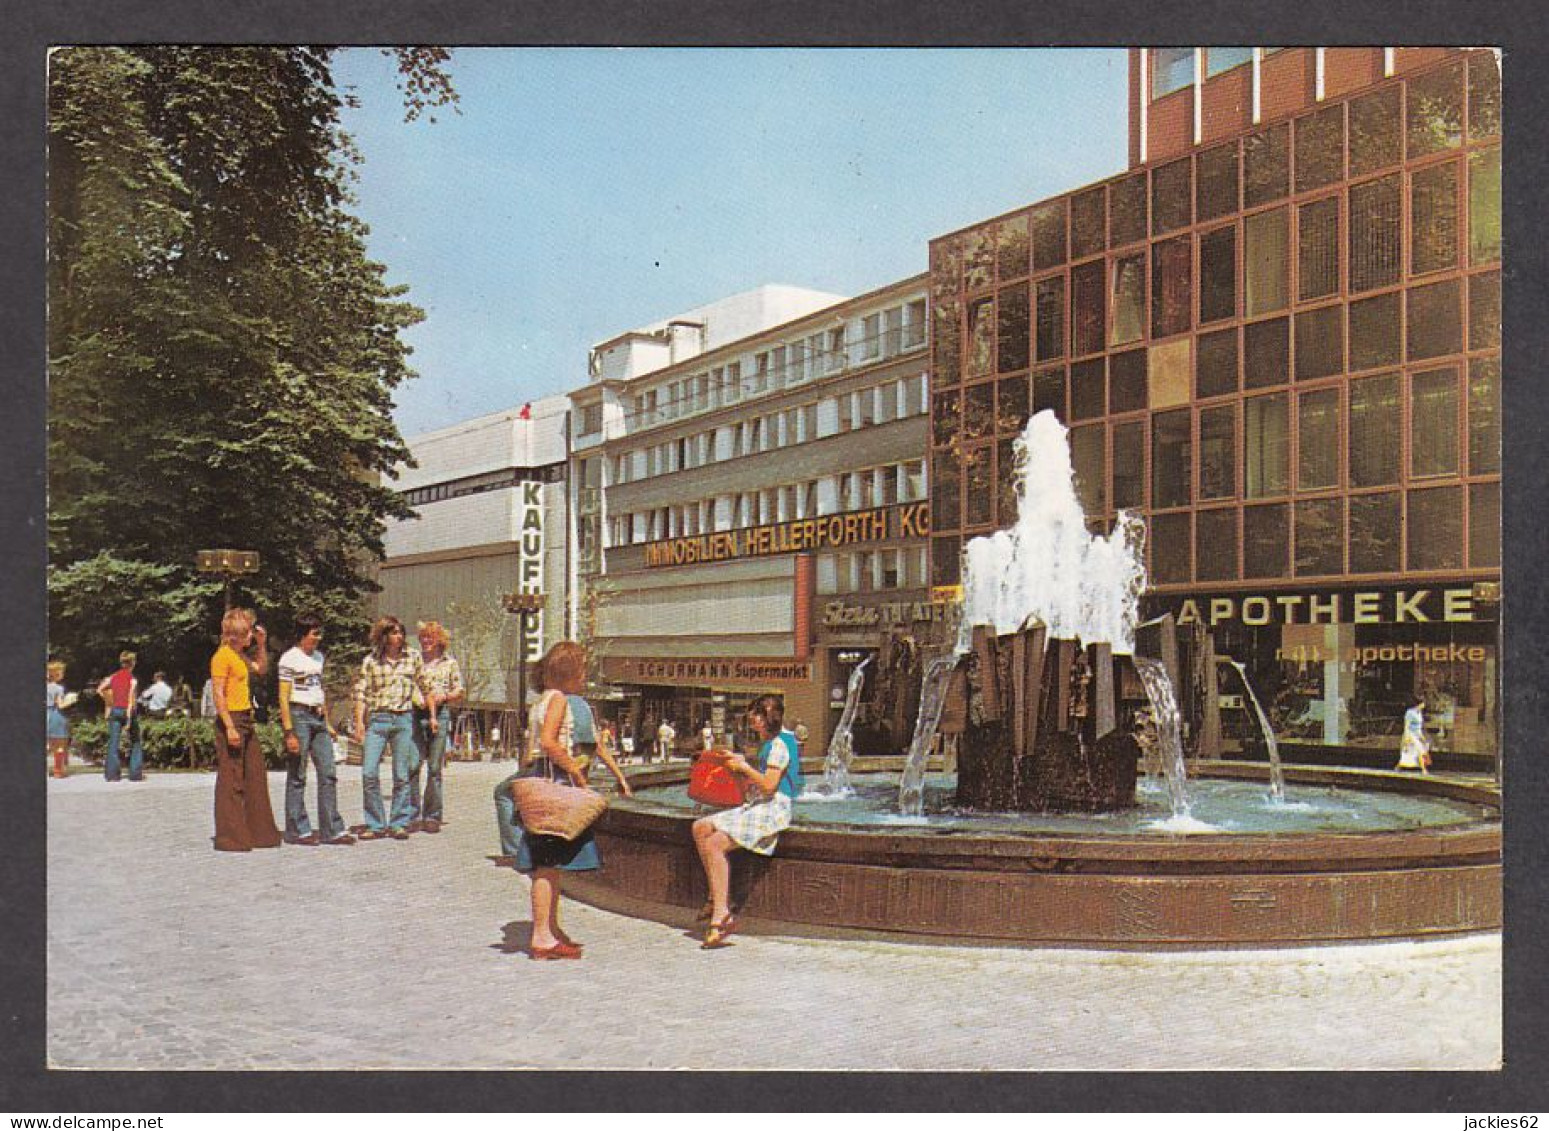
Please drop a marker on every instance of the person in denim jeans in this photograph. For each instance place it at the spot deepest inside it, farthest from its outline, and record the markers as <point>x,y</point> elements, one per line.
<point>384,692</point>
<point>446,676</point>
<point>118,691</point>
<point>308,736</point>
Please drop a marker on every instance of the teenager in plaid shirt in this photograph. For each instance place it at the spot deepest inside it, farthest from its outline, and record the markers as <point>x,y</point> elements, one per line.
<point>384,693</point>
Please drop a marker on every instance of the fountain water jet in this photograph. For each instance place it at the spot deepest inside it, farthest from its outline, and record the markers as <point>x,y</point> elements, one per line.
<point>933,696</point>
<point>1276,773</point>
<point>841,747</point>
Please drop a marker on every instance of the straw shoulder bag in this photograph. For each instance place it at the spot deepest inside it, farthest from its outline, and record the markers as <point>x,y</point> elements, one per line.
<point>549,807</point>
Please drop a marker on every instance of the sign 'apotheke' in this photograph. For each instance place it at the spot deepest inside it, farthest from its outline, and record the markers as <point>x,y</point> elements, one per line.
<point>834,531</point>
<point>1433,605</point>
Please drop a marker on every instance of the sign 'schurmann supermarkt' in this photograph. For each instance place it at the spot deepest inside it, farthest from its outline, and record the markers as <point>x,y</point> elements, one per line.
<point>833,531</point>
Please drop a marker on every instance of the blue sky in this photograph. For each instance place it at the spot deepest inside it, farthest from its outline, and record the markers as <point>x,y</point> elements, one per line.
<point>583,192</point>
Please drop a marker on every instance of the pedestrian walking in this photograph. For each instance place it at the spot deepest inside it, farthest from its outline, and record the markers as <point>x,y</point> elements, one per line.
<point>665,737</point>
<point>773,781</point>
<point>118,691</point>
<point>309,737</point>
<point>1414,748</point>
<point>58,727</point>
<point>244,819</point>
<point>384,694</point>
<point>156,699</point>
<point>444,674</point>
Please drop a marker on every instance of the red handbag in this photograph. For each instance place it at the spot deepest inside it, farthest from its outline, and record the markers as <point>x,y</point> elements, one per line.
<point>711,783</point>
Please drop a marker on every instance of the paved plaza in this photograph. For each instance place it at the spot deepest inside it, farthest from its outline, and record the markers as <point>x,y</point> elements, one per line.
<point>165,954</point>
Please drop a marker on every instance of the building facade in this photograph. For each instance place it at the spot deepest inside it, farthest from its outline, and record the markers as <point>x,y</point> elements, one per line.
<point>1276,337</point>
<point>754,518</point>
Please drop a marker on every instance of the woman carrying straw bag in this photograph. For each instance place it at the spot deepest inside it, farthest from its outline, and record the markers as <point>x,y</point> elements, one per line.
<point>561,736</point>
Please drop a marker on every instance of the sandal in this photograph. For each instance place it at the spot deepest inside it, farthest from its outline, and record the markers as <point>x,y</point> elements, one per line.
<point>716,936</point>
<point>558,950</point>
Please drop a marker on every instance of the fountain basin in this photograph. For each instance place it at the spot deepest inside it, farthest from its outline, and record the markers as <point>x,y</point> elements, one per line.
<point>1146,888</point>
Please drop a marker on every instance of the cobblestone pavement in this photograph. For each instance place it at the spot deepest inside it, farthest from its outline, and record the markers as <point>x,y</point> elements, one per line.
<point>166,954</point>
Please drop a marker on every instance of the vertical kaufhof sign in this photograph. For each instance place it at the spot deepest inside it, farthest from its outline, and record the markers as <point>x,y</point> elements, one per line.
<point>529,560</point>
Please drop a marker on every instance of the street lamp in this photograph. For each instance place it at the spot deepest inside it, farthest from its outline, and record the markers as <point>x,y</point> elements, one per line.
<point>522,606</point>
<point>228,564</point>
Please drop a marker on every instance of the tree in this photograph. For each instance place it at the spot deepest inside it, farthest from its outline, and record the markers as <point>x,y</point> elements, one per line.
<point>222,353</point>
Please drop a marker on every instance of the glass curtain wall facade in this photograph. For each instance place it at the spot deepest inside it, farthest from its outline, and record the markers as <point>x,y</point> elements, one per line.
<point>1284,350</point>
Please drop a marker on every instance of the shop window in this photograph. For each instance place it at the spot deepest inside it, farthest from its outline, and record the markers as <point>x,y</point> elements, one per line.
<point>1129,300</point>
<point>1218,274</point>
<point>978,411</point>
<point>1265,262</point>
<point>1172,197</point>
<point>1320,342</point>
<point>1218,452</point>
<point>1435,529</point>
<point>979,480</point>
<point>1171,456</point>
<point>1433,218</point>
<point>1320,148</point>
<point>1320,537</point>
<point>1484,525</point>
<point>1088,397</point>
<point>1375,140</point>
<point>979,258</point>
<point>1375,533</point>
<point>1170,548</point>
<point>946,560</point>
<point>1484,311</point>
<point>1049,392</point>
<point>1088,223</point>
<point>1006,481</point>
<point>1373,443</point>
<point>1266,446</point>
<point>1215,545</point>
<point>1172,69</point>
<point>1484,95</point>
<point>1266,165</point>
<point>1435,111</point>
<point>1219,60</point>
<point>1011,248</point>
<point>1317,444</point>
<point>1266,353</point>
<point>1375,220</point>
<point>1171,285</point>
<point>1484,206</point>
<point>1215,364</point>
<point>1265,544</point>
<point>1435,322</point>
<point>1087,456</point>
<point>1011,404</point>
<point>945,502</point>
<point>1127,381</point>
<point>1011,329</point>
<point>1433,425</point>
<point>1376,332</point>
<point>1129,465</point>
<point>1216,182</point>
<point>1086,308</point>
<point>1127,210</point>
<point>1048,235</point>
<point>1484,416</point>
<point>1169,373</point>
<point>981,336</point>
<point>1317,249</point>
<point>1051,318</point>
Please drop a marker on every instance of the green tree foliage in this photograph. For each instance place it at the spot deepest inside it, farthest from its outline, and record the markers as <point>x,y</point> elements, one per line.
<point>222,353</point>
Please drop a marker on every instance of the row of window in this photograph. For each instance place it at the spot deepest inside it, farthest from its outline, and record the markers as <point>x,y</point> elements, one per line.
<point>1412,120</point>
<point>1172,68</point>
<point>834,494</point>
<point>869,571</point>
<point>1379,431</point>
<point>487,481</point>
<point>1345,243</point>
<point>799,424</point>
<point>877,336</point>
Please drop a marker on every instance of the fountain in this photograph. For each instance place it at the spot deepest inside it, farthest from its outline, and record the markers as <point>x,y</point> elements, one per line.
<point>1271,745</point>
<point>841,747</point>
<point>1043,835</point>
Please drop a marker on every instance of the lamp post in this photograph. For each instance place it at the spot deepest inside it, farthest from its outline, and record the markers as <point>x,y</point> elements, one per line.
<point>522,606</point>
<point>227,564</point>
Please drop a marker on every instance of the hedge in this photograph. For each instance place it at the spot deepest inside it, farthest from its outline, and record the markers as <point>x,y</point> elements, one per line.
<point>167,742</point>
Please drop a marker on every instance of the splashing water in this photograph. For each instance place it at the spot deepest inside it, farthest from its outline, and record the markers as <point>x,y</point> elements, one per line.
<point>1276,774</point>
<point>841,747</point>
<point>933,696</point>
<point>1048,566</point>
<point>1159,689</point>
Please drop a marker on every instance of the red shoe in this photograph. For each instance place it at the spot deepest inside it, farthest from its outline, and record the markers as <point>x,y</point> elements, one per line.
<point>716,936</point>
<point>548,953</point>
